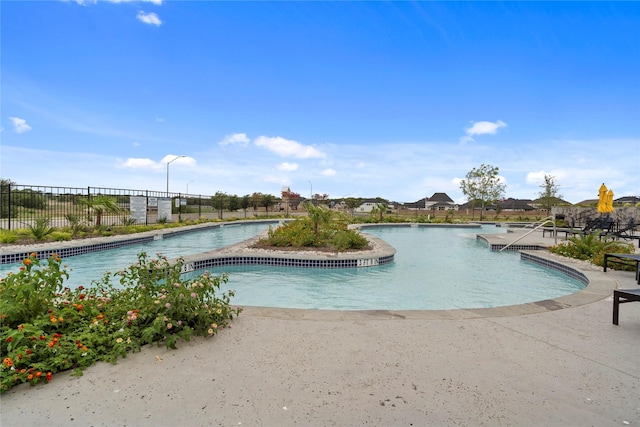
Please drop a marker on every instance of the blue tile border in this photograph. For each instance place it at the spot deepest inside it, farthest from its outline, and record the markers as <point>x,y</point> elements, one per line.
<point>557,266</point>
<point>298,261</point>
<point>72,251</point>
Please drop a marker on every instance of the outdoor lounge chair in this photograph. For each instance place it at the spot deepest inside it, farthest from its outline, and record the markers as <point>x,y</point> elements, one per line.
<point>626,232</point>
<point>620,296</point>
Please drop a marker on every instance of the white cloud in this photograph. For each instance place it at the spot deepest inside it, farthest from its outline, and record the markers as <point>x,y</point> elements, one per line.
<point>276,179</point>
<point>149,18</point>
<point>20,125</point>
<point>288,167</point>
<point>482,128</point>
<point>137,163</point>
<point>288,148</point>
<point>148,164</point>
<point>160,119</point>
<point>236,138</point>
<point>328,172</point>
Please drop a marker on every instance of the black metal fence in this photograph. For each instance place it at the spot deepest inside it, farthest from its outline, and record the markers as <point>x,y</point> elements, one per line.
<point>22,206</point>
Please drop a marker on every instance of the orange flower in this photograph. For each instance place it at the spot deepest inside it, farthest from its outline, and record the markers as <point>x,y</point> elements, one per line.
<point>27,261</point>
<point>30,377</point>
<point>38,374</point>
<point>8,362</point>
<point>49,376</point>
<point>60,319</point>
<point>100,316</point>
<point>33,255</point>
<point>53,319</point>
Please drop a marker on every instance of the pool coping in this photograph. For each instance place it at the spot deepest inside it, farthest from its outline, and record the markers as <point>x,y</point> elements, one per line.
<point>600,285</point>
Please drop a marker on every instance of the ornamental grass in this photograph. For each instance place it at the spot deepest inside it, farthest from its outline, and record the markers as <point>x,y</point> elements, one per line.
<point>46,328</point>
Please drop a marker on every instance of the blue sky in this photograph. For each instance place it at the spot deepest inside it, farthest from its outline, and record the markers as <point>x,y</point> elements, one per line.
<point>360,99</point>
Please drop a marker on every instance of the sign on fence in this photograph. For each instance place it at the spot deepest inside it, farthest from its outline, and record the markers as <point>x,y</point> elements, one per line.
<point>138,208</point>
<point>164,208</point>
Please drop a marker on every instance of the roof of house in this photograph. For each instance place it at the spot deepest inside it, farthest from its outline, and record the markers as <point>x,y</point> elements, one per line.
<point>440,197</point>
<point>517,204</point>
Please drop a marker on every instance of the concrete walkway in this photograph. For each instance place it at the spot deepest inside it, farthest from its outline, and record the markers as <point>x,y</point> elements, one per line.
<point>563,364</point>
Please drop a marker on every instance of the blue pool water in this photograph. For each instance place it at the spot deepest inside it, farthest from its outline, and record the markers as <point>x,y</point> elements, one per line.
<point>434,268</point>
<point>85,268</point>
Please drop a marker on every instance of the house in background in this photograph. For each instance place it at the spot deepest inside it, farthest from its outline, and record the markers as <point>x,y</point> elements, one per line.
<point>511,204</point>
<point>367,205</point>
<point>437,202</point>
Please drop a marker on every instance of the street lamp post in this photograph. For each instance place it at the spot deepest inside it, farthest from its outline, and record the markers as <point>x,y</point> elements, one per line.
<point>310,190</point>
<point>188,185</point>
<point>168,163</point>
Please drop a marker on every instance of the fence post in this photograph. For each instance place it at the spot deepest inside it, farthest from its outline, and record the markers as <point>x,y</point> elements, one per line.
<point>9,202</point>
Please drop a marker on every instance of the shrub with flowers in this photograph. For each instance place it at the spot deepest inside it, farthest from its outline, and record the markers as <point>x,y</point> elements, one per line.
<point>46,328</point>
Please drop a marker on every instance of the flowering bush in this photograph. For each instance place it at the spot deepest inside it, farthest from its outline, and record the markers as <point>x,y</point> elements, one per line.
<point>47,328</point>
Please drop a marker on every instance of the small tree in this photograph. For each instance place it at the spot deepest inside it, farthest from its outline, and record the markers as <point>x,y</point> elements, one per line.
<point>233,203</point>
<point>482,185</point>
<point>256,200</point>
<point>352,203</point>
<point>245,202</point>
<point>268,200</point>
<point>319,215</point>
<point>219,202</point>
<point>550,192</point>
<point>100,205</point>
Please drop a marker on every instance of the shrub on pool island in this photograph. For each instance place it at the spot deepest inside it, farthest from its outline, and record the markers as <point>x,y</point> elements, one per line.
<point>47,328</point>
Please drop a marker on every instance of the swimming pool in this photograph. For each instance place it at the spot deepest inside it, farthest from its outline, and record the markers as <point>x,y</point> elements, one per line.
<point>435,268</point>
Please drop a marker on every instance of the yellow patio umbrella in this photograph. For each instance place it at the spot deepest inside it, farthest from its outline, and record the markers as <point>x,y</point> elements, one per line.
<point>602,199</point>
<point>609,201</point>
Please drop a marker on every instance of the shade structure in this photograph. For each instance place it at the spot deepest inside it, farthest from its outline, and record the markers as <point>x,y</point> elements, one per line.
<point>602,199</point>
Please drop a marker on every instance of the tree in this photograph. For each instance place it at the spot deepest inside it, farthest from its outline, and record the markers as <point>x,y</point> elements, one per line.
<point>233,203</point>
<point>352,203</point>
<point>318,214</point>
<point>482,185</point>
<point>256,200</point>
<point>550,192</point>
<point>219,202</point>
<point>100,205</point>
<point>268,200</point>
<point>379,209</point>
<point>245,202</point>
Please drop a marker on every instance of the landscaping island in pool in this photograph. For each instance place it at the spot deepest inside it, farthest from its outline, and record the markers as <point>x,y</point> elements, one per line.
<point>243,253</point>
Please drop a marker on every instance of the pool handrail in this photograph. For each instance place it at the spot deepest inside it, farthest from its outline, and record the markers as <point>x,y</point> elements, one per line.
<point>543,222</point>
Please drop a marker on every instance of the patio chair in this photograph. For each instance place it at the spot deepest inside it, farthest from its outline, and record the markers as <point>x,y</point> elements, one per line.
<point>620,296</point>
<point>626,232</point>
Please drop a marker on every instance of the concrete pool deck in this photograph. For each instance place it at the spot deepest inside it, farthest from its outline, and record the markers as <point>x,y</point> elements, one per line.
<point>516,365</point>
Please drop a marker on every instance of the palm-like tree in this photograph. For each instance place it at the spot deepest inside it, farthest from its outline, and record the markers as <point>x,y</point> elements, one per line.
<point>319,215</point>
<point>99,205</point>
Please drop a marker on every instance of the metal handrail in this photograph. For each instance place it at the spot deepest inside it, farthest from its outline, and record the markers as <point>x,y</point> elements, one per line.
<point>546,220</point>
